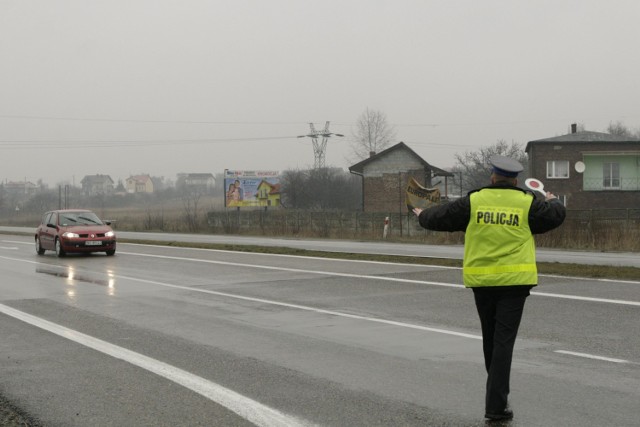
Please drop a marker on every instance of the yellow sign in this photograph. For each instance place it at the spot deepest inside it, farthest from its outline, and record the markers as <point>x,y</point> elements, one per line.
<point>421,197</point>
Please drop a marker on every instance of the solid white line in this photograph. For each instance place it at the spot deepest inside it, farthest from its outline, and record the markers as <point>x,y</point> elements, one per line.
<point>305,308</point>
<point>439,267</point>
<point>337,313</point>
<point>591,356</point>
<point>297,270</point>
<point>444,267</point>
<point>284,304</point>
<point>363,276</point>
<point>369,277</point>
<point>580,298</point>
<point>249,409</point>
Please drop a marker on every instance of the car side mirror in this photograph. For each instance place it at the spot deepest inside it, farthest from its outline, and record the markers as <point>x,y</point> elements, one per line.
<point>107,222</point>
<point>51,225</point>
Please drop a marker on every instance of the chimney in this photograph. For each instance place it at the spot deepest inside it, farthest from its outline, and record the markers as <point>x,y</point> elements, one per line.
<point>574,127</point>
<point>372,153</point>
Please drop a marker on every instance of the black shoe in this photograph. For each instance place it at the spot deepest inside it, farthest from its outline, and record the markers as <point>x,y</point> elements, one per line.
<point>507,414</point>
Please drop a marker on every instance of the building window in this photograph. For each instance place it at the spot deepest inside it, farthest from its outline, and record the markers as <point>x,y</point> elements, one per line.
<point>558,169</point>
<point>611,175</point>
<point>563,199</point>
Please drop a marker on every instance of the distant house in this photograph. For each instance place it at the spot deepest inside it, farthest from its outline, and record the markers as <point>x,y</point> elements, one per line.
<point>385,177</point>
<point>20,188</point>
<point>96,184</point>
<point>139,184</point>
<point>268,194</point>
<point>204,181</point>
<point>588,169</point>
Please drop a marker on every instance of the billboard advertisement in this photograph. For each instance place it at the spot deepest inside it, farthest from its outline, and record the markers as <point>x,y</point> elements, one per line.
<point>251,188</point>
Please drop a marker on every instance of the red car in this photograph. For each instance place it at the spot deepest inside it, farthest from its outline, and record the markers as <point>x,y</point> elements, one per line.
<point>74,230</point>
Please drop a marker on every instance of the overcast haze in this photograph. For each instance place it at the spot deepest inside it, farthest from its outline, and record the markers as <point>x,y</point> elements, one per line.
<point>162,87</point>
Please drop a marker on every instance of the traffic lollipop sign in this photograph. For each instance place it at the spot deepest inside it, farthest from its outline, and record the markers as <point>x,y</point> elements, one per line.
<point>535,185</point>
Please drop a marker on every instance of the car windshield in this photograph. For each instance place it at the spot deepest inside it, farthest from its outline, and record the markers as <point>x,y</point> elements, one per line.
<point>79,218</point>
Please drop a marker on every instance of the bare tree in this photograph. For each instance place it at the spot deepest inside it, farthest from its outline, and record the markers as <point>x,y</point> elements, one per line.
<point>190,200</point>
<point>321,189</point>
<point>620,129</point>
<point>373,134</point>
<point>293,189</point>
<point>41,202</point>
<point>154,219</point>
<point>474,166</point>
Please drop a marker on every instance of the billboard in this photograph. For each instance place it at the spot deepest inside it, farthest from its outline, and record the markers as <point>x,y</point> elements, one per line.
<point>251,188</point>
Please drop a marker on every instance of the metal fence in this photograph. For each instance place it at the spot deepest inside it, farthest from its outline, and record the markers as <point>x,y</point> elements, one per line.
<point>313,223</point>
<point>602,229</point>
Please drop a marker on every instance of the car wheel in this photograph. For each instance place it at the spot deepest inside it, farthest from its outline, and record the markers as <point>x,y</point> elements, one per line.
<point>39,249</point>
<point>111,252</point>
<point>59,251</point>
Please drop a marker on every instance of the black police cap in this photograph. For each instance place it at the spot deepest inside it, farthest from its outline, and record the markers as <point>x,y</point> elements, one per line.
<point>505,166</point>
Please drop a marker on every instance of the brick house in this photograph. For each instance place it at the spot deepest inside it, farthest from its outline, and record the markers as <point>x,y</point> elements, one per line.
<point>588,169</point>
<point>385,177</point>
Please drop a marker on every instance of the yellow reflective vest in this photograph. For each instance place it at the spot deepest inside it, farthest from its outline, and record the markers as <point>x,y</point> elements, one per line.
<point>499,247</point>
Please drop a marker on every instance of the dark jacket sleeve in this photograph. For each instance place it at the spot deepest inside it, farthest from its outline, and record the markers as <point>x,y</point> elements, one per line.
<point>545,216</point>
<point>452,216</point>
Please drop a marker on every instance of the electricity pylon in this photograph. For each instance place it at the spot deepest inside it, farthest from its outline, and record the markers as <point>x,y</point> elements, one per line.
<point>319,140</point>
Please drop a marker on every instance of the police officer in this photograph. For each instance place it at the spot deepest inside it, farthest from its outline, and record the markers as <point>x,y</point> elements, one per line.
<point>499,262</point>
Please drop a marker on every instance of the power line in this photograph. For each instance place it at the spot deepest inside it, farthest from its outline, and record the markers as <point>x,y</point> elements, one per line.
<point>64,143</point>
<point>93,119</point>
<point>275,123</point>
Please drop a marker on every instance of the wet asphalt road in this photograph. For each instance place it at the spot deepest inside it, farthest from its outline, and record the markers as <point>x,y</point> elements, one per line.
<point>171,336</point>
<point>629,259</point>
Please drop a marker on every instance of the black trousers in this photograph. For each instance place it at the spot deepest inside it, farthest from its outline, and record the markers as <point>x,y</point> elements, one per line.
<point>500,312</point>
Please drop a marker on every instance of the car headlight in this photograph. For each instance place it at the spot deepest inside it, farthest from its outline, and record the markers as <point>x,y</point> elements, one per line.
<point>70,235</point>
<point>109,234</point>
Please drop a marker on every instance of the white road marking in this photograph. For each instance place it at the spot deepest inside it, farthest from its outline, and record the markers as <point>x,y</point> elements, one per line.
<point>581,298</point>
<point>591,356</point>
<point>440,267</point>
<point>298,270</point>
<point>371,277</point>
<point>305,308</point>
<point>249,409</point>
<point>331,312</point>
<point>444,267</point>
<point>351,316</point>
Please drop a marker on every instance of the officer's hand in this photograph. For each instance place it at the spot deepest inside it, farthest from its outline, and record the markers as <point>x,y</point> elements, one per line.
<point>550,196</point>
<point>417,211</point>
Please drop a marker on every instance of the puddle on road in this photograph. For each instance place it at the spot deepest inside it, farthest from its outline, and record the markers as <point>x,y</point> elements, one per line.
<point>71,274</point>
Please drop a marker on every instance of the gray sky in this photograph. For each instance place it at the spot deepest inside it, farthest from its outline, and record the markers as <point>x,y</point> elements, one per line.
<point>162,87</point>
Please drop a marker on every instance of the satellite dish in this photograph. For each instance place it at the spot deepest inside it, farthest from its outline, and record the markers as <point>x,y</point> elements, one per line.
<point>580,167</point>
